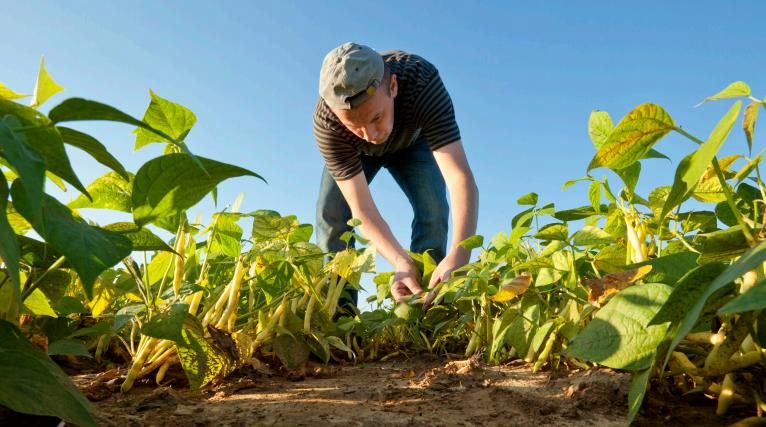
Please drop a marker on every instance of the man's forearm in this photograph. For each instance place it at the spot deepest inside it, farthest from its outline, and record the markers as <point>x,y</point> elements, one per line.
<point>464,197</point>
<point>375,229</point>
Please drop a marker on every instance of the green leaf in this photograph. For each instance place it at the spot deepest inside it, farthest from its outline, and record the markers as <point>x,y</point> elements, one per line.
<point>637,392</point>
<point>6,93</point>
<point>591,236</point>
<point>201,361</point>
<point>301,234</point>
<point>44,139</point>
<point>167,325</point>
<point>170,118</point>
<point>688,289</point>
<point>553,232</point>
<point>172,183</point>
<point>611,258</point>
<point>748,122</point>
<point>142,238</point>
<point>9,248</point>
<point>71,305</point>
<point>38,305</point>
<point>528,199</point>
<point>521,333</point>
<point>617,337</point>
<point>608,192</point>
<point>578,213</point>
<point>548,209</point>
<point>69,347</point>
<point>91,146</point>
<point>26,162</point>
<point>97,330</point>
<point>538,262</point>
<point>473,242</point>
<point>109,191</point>
<point>600,126</point>
<point>732,91</point>
<point>629,176</point>
<point>752,299</point>
<point>657,199</point>
<point>337,343</point>
<point>751,259</point>
<point>668,269</point>
<point>44,88</point>
<point>693,166</point>
<point>274,278</point>
<point>227,236</point>
<point>90,250</point>
<point>523,219</point>
<point>124,315</point>
<point>77,109</point>
<point>710,191</point>
<point>633,137</point>
<point>704,221</point>
<point>594,195</point>
<point>723,245</point>
<point>544,331</point>
<point>654,154</point>
<point>575,181</point>
<point>26,370</point>
<point>319,346</point>
<point>353,222</point>
<point>293,352</point>
<point>749,168</point>
<point>410,313</point>
<point>267,227</point>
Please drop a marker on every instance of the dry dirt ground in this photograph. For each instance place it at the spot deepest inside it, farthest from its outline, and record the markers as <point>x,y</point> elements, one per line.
<point>417,391</point>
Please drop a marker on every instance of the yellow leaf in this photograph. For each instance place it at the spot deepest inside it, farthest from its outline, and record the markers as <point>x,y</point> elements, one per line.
<point>103,294</point>
<point>44,88</point>
<point>6,93</point>
<point>517,286</point>
<point>613,283</point>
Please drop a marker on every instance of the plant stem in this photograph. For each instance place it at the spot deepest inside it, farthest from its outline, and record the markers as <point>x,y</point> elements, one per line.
<point>26,293</point>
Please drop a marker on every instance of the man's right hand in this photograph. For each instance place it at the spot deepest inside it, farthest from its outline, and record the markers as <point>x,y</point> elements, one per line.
<point>406,282</point>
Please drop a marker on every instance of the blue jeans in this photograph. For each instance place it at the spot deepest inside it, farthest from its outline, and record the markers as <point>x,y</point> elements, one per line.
<point>415,170</point>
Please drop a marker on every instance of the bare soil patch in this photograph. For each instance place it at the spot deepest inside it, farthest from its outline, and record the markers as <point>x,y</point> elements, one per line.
<point>417,391</point>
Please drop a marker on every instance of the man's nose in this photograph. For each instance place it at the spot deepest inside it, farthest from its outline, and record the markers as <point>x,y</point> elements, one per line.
<point>370,133</point>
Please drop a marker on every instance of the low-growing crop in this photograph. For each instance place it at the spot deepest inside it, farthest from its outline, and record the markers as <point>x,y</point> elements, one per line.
<point>645,284</point>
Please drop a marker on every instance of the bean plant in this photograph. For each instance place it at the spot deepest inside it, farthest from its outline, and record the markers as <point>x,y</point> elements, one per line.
<point>648,285</point>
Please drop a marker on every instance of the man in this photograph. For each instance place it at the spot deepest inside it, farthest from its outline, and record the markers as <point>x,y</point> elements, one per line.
<point>391,110</point>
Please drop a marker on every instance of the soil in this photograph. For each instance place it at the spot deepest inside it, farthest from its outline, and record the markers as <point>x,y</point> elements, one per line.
<point>420,390</point>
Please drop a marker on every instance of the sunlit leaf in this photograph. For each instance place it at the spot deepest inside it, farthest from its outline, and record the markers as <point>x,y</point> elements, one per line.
<point>528,199</point>
<point>732,91</point>
<point>693,166</point>
<point>516,287</point>
<point>633,137</point>
<point>600,126</point>
<point>173,119</point>
<point>174,182</point>
<point>109,191</point>
<point>6,93</point>
<point>594,195</point>
<point>748,122</point>
<point>44,88</point>
<point>143,239</point>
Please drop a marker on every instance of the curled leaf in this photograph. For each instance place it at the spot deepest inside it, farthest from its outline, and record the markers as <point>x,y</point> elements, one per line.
<point>516,287</point>
<point>613,283</point>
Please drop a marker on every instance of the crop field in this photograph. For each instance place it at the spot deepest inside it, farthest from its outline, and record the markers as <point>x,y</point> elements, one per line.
<point>628,310</point>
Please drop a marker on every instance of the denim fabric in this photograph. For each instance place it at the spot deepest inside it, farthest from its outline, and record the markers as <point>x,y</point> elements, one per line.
<point>415,170</point>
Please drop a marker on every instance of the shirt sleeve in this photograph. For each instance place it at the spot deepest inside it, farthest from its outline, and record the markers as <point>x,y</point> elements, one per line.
<point>433,112</point>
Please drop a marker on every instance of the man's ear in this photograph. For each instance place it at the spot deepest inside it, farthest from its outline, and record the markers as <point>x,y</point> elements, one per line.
<point>394,86</point>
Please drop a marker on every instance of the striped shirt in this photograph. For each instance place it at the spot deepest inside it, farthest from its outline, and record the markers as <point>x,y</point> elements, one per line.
<point>422,108</point>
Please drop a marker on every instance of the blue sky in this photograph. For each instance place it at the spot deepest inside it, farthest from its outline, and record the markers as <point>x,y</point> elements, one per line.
<point>523,80</point>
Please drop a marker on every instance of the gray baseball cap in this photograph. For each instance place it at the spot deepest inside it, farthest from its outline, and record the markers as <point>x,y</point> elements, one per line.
<point>350,75</point>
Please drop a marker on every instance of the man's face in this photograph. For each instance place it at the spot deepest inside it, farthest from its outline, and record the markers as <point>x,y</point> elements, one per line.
<point>373,119</point>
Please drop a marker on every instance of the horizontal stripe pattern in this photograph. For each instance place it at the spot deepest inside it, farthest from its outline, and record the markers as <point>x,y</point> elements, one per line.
<point>423,107</point>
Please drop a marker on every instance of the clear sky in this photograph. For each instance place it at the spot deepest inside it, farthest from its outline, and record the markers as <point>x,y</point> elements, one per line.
<point>523,76</point>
